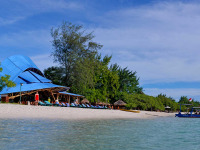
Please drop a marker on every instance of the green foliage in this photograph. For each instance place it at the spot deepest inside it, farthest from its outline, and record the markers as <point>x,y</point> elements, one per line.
<point>167,101</point>
<point>71,43</point>
<point>146,102</point>
<point>184,100</point>
<point>55,74</point>
<point>142,102</point>
<point>106,81</point>
<point>131,106</point>
<point>195,103</point>
<point>5,81</point>
<point>96,80</point>
<point>83,76</point>
<point>84,70</point>
<point>128,80</point>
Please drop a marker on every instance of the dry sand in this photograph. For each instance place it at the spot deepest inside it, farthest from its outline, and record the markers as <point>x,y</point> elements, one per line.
<point>69,113</point>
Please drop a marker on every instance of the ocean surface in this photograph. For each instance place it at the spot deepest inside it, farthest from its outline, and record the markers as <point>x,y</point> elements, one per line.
<point>164,133</point>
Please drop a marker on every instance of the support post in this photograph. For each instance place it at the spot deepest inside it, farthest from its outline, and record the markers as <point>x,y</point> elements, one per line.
<point>20,100</point>
<point>52,95</point>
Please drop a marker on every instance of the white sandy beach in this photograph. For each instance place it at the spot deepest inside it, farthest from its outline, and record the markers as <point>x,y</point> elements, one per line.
<point>68,113</point>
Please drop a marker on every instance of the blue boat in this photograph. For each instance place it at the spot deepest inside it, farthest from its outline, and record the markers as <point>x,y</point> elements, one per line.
<point>190,114</point>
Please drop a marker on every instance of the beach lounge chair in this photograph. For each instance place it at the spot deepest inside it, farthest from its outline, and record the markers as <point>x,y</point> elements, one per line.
<point>48,104</point>
<point>56,104</point>
<point>88,106</point>
<point>102,107</point>
<point>80,106</point>
<point>72,105</point>
<point>67,104</point>
<point>105,107</point>
<point>83,106</point>
<point>41,103</point>
<point>99,107</point>
<point>76,105</point>
<point>92,106</point>
<point>63,105</point>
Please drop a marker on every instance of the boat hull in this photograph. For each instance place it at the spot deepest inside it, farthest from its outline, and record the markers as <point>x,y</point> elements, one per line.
<point>187,115</point>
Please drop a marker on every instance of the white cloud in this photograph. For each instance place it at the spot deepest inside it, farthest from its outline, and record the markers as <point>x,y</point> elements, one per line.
<point>160,42</point>
<point>27,39</point>
<point>32,43</point>
<point>50,5</point>
<point>14,11</point>
<point>6,21</point>
<point>175,93</point>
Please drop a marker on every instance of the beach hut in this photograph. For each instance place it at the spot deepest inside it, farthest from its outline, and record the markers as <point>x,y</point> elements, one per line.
<point>85,101</point>
<point>119,104</point>
<point>167,109</point>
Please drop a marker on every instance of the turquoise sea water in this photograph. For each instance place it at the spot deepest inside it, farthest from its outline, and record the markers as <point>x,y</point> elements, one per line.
<point>165,133</point>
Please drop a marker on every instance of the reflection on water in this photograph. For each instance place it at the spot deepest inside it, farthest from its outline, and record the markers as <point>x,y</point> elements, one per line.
<point>160,133</point>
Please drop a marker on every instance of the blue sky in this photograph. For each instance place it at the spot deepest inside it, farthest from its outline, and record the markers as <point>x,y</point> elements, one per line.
<point>158,39</point>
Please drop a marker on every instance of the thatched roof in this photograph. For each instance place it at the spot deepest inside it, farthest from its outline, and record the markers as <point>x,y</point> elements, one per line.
<point>119,103</point>
<point>85,101</point>
<point>167,107</point>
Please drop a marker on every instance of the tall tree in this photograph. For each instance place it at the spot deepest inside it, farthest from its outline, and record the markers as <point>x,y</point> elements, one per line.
<point>184,100</point>
<point>70,43</point>
<point>96,81</point>
<point>83,75</point>
<point>107,81</point>
<point>55,74</point>
<point>128,80</point>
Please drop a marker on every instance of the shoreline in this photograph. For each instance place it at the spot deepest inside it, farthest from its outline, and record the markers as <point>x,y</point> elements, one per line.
<point>15,111</point>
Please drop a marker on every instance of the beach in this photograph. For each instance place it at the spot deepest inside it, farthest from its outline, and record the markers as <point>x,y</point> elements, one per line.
<point>15,111</point>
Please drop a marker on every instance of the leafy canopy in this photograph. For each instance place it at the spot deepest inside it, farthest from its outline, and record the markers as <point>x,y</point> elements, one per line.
<point>71,43</point>
<point>128,80</point>
<point>86,72</point>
